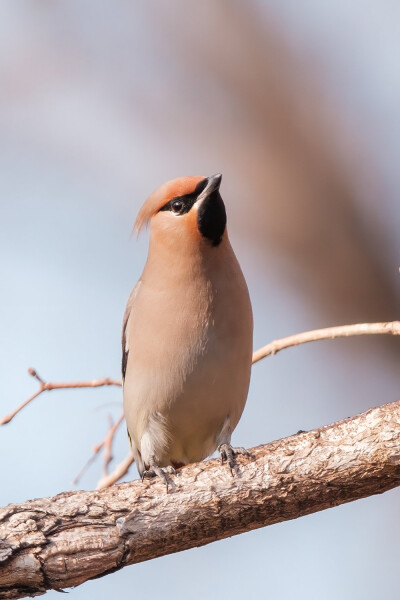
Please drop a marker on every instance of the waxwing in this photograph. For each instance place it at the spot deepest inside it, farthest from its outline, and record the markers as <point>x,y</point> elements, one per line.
<point>187,332</point>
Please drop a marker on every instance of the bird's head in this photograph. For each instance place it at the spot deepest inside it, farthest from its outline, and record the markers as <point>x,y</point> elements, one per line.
<point>186,209</point>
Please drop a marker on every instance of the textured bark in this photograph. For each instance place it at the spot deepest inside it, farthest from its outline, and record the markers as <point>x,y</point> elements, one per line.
<point>53,543</point>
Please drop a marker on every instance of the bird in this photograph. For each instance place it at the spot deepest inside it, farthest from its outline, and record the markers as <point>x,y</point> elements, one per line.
<point>187,333</point>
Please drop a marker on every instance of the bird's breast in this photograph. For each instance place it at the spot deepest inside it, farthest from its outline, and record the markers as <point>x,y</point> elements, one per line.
<point>190,345</point>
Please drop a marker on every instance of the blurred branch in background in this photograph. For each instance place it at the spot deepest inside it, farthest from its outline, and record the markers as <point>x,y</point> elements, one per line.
<point>295,163</point>
<point>234,90</point>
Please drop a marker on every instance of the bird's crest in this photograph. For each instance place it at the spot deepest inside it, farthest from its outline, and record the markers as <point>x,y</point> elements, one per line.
<point>166,192</point>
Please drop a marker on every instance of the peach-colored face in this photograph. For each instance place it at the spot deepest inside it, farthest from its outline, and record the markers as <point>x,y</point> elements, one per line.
<point>186,213</point>
<point>176,230</point>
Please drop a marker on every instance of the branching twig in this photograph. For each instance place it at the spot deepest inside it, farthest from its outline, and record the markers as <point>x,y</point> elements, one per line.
<point>46,386</point>
<point>106,443</point>
<point>120,470</point>
<point>329,333</point>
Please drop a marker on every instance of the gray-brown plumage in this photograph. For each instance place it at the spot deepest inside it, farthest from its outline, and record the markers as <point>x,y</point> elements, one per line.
<point>187,333</point>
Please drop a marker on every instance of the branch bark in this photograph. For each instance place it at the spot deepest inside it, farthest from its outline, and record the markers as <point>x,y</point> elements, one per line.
<point>52,543</point>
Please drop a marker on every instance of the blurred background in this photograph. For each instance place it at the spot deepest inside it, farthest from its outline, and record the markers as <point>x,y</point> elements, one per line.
<point>298,105</point>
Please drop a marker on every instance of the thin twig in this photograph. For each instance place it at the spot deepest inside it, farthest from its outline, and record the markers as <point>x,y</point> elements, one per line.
<point>120,470</point>
<point>392,328</point>
<point>106,443</point>
<point>85,467</point>
<point>47,386</point>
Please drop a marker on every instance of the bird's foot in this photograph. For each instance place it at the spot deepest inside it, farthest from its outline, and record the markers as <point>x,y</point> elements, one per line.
<point>228,454</point>
<point>163,473</point>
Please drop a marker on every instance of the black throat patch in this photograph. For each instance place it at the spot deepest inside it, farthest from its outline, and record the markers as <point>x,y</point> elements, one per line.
<point>211,218</point>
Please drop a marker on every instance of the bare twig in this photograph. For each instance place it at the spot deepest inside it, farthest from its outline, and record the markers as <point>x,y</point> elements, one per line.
<point>106,443</point>
<point>46,386</point>
<point>53,543</point>
<point>120,470</point>
<point>328,333</point>
<point>85,467</point>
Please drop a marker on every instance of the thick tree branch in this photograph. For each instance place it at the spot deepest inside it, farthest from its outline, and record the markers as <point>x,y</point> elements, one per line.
<point>52,543</point>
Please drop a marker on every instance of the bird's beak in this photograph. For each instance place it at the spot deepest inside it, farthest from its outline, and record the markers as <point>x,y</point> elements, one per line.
<point>211,215</point>
<point>213,184</point>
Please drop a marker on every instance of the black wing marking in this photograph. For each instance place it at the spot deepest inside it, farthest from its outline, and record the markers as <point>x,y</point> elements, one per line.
<point>129,438</point>
<point>125,354</point>
<point>128,311</point>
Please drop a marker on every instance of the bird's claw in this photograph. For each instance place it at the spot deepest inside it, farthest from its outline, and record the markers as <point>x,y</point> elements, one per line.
<point>163,473</point>
<point>228,453</point>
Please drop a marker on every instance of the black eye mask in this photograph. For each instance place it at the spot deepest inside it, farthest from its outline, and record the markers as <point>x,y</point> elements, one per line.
<point>187,200</point>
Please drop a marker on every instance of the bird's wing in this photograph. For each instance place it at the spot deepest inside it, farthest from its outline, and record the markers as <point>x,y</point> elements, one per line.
<point>127,314</point>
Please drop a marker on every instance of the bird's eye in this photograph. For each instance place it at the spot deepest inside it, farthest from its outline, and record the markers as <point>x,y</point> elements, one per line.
<point>177,206</point>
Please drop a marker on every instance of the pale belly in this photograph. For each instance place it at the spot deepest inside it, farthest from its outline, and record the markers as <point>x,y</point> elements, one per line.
<point>193,402</point>
<point>196,417</point>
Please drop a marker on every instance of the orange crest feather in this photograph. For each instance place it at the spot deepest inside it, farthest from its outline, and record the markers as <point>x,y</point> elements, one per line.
<point>162,195</point>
